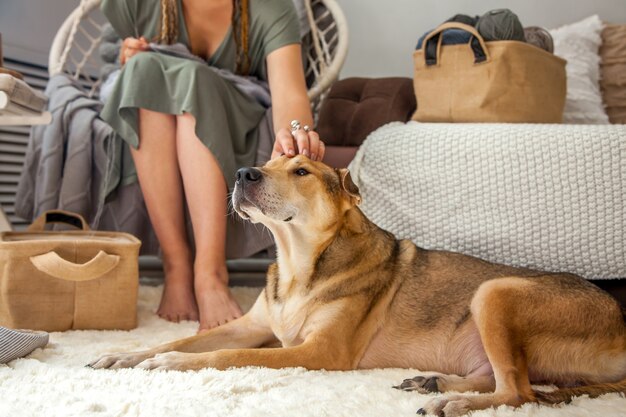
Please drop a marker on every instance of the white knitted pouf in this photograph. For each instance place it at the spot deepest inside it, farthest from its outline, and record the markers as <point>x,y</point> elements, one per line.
<point>544,196</point>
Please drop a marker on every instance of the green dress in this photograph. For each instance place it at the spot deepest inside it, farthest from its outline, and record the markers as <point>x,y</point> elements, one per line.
<point>226,118</point>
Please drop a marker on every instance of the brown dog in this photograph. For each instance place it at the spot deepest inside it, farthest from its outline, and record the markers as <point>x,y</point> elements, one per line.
<point>345,294</point>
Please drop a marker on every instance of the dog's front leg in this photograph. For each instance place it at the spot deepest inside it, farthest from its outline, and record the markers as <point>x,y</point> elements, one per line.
<point>251,330</point>
<point>313,354</point>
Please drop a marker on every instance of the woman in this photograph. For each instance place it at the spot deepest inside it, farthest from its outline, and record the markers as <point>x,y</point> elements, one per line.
<point>189,130</point>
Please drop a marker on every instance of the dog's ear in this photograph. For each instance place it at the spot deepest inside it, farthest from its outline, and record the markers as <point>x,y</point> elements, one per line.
<point>348,185</point>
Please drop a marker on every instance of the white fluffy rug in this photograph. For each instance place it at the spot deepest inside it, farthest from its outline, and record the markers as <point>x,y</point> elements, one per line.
<point>54,382</point>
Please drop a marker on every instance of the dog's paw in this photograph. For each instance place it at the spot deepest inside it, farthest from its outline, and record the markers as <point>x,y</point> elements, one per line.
<point>119,360</point>
<point>170,361</point>
<point>457,408</point>
<point>433,407</point>
<point>454,406</point>
<point>421,384</point>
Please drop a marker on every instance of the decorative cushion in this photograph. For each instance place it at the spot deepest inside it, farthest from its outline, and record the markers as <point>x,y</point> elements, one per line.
<point>579,43</point>
<point>19,343</point>
<point>613,72</point>
<point>355,107</point>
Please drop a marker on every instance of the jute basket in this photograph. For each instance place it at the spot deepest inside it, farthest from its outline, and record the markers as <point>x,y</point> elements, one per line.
<point>61,280</point>
<point>487,82</point>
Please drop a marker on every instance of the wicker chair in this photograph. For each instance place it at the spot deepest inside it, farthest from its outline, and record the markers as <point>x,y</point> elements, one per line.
<point>74,49</point>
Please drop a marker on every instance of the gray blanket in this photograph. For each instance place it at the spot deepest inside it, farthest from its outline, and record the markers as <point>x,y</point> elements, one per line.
<point>69,164</point>
<point>64,160</point>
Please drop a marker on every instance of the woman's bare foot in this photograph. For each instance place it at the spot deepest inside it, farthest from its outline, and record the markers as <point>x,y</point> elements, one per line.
<point>178,301</point>
<point>216,304</point>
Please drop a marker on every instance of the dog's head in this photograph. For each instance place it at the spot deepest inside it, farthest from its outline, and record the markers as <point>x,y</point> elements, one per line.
<point>294,191</point>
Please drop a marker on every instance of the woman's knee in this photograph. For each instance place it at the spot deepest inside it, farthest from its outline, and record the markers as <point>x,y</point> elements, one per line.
<point>155,118</point>
<point>186,117</point>
<point>186,124</point>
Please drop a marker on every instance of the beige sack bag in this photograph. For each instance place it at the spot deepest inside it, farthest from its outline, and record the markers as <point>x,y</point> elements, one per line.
<point>61,280</point>
<point>497,81</point>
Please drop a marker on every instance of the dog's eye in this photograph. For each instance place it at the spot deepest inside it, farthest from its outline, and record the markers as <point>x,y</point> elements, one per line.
<point>301,172</point>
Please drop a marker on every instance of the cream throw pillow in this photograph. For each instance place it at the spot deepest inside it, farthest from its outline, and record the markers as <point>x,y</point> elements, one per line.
<point>579,44</point>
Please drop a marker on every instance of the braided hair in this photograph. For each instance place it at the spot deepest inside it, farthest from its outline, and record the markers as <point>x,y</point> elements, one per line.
<point>240,22</point>
<point>240,32</point>
<point>169,22</point>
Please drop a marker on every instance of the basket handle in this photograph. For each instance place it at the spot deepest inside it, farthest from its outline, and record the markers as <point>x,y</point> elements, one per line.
<point>52,264</point>
<point>58,216</point>
<point>432,43</point>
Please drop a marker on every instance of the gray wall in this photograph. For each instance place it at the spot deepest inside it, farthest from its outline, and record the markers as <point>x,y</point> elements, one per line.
<point>28,26</point>
<point>382,32</point>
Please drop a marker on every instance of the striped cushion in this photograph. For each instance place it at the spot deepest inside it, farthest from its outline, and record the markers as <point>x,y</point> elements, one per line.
<point>19,343</point>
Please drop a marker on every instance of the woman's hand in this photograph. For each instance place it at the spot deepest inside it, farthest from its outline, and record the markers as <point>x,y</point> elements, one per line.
<point>289,102</point>
<point>131,47</point>
<point>301,142</point>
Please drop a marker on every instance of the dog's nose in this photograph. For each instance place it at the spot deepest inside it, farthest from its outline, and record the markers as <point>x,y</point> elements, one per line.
<point>248,175</point>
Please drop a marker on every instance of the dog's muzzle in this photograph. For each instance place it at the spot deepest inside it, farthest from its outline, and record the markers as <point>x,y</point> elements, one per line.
<point>248,175</point>
<point>245,181</point>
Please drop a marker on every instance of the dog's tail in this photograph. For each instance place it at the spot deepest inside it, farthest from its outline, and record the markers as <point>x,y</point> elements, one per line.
<point>566,394</point>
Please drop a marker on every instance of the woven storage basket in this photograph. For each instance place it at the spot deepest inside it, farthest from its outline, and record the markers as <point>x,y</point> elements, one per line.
<point>61,280</point>
<point>493,82</point>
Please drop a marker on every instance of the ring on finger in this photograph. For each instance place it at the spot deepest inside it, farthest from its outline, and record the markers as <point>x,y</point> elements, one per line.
<point>295,125</point>
<point>306,128</point>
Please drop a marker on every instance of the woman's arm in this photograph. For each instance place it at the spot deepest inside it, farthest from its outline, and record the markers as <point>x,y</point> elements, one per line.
<point>289,102</point>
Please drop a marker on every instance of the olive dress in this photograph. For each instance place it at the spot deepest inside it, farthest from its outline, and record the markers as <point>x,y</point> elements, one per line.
<point>226,118</point>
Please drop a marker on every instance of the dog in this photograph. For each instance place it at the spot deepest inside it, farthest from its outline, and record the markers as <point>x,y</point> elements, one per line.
<point>345,294</point>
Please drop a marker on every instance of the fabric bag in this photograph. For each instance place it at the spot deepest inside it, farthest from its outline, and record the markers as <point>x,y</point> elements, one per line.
<point>497,81</point>
<point>61,280</point>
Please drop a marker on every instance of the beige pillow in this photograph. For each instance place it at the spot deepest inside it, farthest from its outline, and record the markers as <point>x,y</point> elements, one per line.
<point>613,72</point>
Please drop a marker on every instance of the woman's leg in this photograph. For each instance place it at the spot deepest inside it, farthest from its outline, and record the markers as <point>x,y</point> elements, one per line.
<point>206,193</point>
<point>160,181</point>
